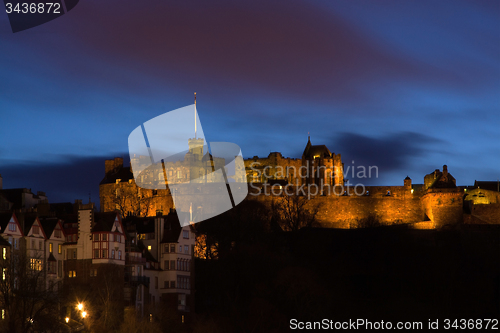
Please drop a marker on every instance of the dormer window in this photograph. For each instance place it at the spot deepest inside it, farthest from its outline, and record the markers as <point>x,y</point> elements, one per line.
<point>12,226</point>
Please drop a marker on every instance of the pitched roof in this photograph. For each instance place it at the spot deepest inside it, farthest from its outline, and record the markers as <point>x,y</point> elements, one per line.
<point>318,150</point>
<point>4,220</point>
<point>104,221</point>
<point>172,227</point>
<point>48,225</point>
<point>487,185</point>
<point>26,221</point>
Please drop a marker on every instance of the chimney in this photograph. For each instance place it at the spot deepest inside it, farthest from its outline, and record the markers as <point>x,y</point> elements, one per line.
<point>445,170</point>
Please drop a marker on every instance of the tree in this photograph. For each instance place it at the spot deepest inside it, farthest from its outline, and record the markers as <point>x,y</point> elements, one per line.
<point>294,212</point>
<point>28,305</point>
<point>131,200</point>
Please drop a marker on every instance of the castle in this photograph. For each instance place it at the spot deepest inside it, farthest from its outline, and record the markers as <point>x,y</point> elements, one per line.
<point>319,175</point>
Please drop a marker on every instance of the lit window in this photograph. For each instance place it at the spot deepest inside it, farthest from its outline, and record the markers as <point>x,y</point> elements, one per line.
<point>3,274</point>
<point>149,247</point>
<point>59,248</point>
<point>4,253</point>
<point>51,247</point>
<point>3,313</point>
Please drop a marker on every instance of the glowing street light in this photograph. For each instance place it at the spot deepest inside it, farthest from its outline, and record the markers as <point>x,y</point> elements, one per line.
<point>84,314</point>
<point>67,319</point>
<point>80,306</point>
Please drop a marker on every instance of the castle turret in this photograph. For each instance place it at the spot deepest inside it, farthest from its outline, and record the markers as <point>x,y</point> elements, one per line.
<point>407,183</point>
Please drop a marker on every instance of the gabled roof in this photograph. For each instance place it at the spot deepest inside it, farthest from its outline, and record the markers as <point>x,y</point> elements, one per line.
<point>26,221</point>
<point>104,222</point>
<point>49,224</point>
<point>122,173</point>
<point>487,185</point>
<point>4,220</point>
<point>319,150</point>
<point>172,227</point>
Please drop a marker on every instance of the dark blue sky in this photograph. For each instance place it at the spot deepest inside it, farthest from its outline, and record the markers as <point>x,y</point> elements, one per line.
<point>404,85</point>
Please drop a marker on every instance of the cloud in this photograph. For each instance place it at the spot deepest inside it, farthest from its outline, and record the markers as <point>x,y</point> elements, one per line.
<point>73,178</point>
<point>290,48</point>
<point>390,153</point>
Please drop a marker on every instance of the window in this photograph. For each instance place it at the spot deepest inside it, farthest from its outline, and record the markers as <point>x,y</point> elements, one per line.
<point>172,264</point>
<point>149,247</point>
<point>166,265</point>
<point>58,233</point>
<point>104,237</point>
<point>119,254</point>
<point>12,227</point>
<point>172,248</point>
<point>96,237</point>
<point>172,284</point>
<point>104,253</point>
<point>165,248</point>
<point>72,274</point>
<point>3,313</point>
<point>118,238</point>
<point>15,244</point>
<point>4,273</point>
<point>185,234</point>
<point>93,272</point>
<point>166,285</point>
<point>36,230</point>
<point>59,248</point>
<point>36,264</point>
<point>180,248</point>
<point>4,253</point>
<point>51,247</point>
<point>96,254</point>
<point>112,254</point>
<point>40,245</point>
<point>186,249</point>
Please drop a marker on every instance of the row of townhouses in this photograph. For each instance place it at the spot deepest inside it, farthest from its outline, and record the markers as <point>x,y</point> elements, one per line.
<point>76,246</point>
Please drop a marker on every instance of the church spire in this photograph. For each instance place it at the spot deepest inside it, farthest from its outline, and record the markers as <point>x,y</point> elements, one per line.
<point>195,115</point>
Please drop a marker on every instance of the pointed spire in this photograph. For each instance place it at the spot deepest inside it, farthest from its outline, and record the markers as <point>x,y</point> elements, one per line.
<point>195,115</point>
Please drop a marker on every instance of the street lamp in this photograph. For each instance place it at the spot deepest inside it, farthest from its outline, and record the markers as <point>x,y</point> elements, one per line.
<point>67,319</point>
<point>80,306</point>
<point>84,314</point>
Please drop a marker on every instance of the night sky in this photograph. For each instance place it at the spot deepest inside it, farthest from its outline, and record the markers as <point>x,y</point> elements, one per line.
<point>403,85</point>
